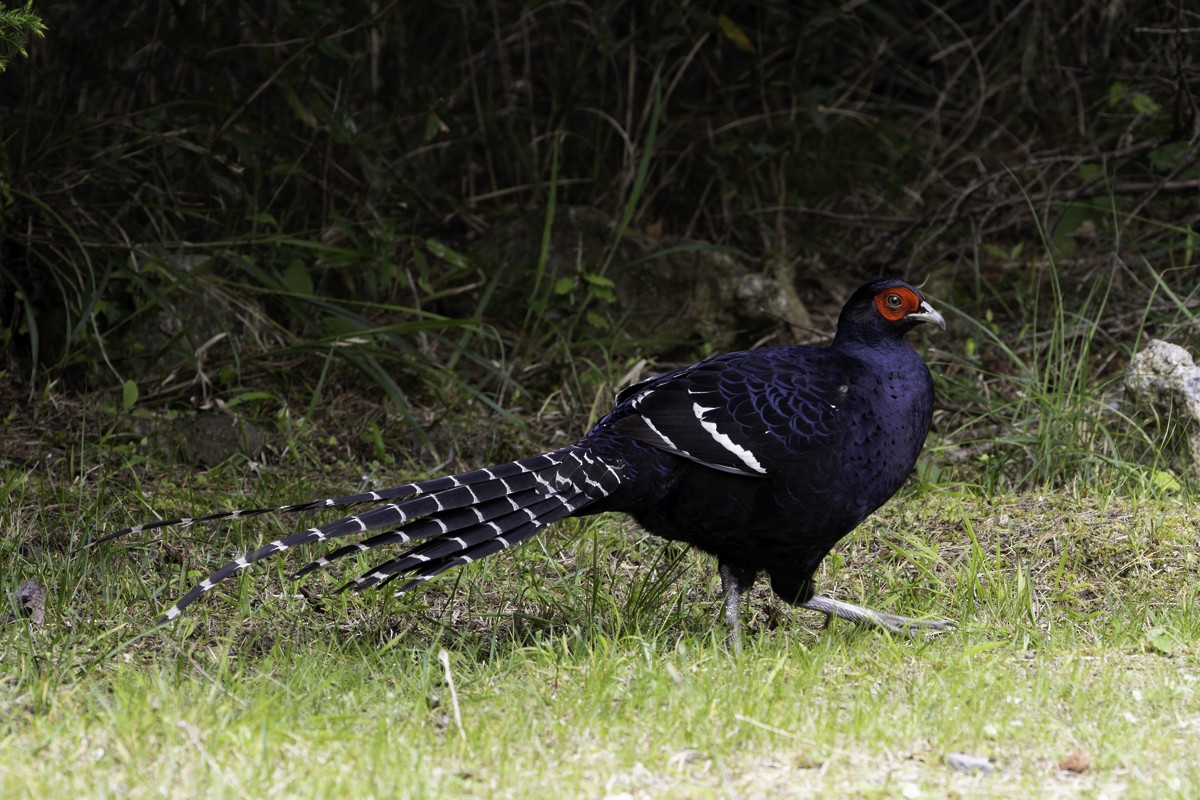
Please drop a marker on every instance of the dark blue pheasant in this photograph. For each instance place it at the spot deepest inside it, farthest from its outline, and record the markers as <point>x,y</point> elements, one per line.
<point>763,458</point>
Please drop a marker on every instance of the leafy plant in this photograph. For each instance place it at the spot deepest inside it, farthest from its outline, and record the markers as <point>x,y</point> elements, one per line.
<point>16,26</point>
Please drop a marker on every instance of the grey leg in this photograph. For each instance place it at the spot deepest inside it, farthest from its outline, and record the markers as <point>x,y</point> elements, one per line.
<point>734,582</point>
<point>873,619</point>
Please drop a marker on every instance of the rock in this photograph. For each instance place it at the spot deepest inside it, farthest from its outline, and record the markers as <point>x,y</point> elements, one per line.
<point>209,439</point>
<point>972,765</point>
<point>1163,387</point>
<point>200,440</point>
<point>193,319</point>
<point>662,289</point>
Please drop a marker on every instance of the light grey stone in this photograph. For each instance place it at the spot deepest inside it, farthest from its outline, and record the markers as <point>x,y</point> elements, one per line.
<point>1163,390</point>
<point>965,762</point>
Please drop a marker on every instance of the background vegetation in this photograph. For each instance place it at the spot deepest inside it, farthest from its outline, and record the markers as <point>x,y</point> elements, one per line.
<point>397,238</point>
<point>315,175</point>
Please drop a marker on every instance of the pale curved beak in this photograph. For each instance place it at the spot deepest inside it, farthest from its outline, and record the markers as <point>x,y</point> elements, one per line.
<point>928,313</point>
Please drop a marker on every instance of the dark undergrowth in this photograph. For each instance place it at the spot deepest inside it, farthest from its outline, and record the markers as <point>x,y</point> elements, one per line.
<point>204,201</point>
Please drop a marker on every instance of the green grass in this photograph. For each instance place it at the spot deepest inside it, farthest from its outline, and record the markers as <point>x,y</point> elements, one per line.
<point>841,715</point>
<point>592,663</point>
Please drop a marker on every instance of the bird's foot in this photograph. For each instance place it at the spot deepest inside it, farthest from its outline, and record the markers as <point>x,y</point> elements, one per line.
<point>893,623</point>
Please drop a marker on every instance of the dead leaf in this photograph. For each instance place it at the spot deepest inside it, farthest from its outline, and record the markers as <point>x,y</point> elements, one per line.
<point>30,600</point>
<point>1076,762</point>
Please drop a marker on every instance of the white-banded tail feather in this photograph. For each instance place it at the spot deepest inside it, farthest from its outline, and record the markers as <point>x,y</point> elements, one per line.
<point>461,542</point>
<point>501,472</point>
<point>474,512</point>
<point>426,527</point>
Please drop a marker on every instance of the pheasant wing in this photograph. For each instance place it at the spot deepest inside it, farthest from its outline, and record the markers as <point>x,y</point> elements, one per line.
<point>744,413</point>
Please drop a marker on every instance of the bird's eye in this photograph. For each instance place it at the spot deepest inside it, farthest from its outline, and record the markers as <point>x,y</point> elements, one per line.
<point>893,301</point>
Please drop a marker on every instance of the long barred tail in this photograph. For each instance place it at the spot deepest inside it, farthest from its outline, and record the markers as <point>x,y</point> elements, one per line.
<point>397,493</point>
<point>458,518</point>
